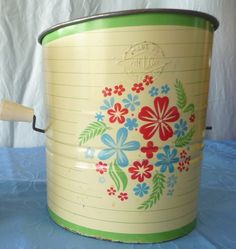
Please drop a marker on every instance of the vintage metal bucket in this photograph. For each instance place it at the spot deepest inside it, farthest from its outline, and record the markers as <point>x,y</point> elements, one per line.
<point>127,97</point>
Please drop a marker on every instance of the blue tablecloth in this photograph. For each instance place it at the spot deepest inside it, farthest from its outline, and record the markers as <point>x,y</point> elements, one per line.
<point>25,224</point>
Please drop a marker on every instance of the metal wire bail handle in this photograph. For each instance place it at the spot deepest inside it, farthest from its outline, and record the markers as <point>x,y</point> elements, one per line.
<point>34,126</point>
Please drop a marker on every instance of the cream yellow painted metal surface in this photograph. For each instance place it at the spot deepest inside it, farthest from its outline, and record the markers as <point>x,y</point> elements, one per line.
<point>168,62</point>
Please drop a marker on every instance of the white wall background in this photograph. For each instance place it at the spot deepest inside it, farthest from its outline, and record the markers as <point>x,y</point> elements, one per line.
<point>21,78</point>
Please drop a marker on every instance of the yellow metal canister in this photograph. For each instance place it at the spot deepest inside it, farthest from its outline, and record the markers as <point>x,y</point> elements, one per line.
<point>127,97</point>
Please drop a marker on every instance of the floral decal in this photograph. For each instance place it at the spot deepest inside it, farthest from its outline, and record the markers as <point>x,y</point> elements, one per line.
<point>131,102</point>
<point>184,161</point>
<point>117,114</point>
<point>108,104</point>
<point>165,89</point>
<point>131,123</point>
<point>111,191</point>
<point>118,147</point>
<point>99,116</point>
<point>141,170</point>
<point>139,140</point>
<point>138,87</point>
<point>192,118</point>
<point>148,79</point>
<point>123,196</point>
<point>141,189</point>
<point>181,128</point>
<point>89,153</point>
<point>150,149</point>
<point>158,119</point>
<point>154,91</point>
<point>119,90</point>
<point>107,92</point>
<point>167,159</point>
<point>101,167</point>
<point>170,184</point>
<point>171,181</point>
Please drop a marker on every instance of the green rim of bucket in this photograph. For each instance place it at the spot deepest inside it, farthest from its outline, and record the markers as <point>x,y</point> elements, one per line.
<point>136,19</point>
<point>124,237</point>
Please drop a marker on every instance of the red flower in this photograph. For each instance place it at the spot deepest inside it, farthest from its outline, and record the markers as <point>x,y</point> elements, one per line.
<point>111,191</point>
<point>148,80</point>
<point>107,92</point>
<point>181,168</point>
<point>183,154</point>
<point>192,118</point>
<point>149,149</point>
<point>187,160</point>
<point>101,167</point>
<point>123,196</point>
<point>137,87</point>
<point>181,163</point>
<point>184,162</point>
<point>141,170</point>
<point>117,114</point>
<point>158,119</point>
<point>119,89</point>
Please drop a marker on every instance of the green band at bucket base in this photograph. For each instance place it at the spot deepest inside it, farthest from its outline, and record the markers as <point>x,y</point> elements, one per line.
<point>124,237</point>
<point>130,20</point>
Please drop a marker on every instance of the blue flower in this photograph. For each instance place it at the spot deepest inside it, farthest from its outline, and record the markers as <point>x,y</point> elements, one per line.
<point>131,102</point>
<point>153,91</point>
<point>170,192</point>
<point>181,128</point>
<point>102,179</point>
<point>165,89</point>
<point>171,181</point>
<point>117,148</point>
<point>131,123</point>
<point>89,153</point>
<point>99,116</point>
<point>167,160</point>
<point>141,189</point>
<point>108,104</point>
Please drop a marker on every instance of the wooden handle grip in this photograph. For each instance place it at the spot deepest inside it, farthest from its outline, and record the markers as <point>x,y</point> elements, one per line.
<point>11,111</point>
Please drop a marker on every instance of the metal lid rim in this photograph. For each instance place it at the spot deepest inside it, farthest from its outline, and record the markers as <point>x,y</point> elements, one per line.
<point>206,16</point>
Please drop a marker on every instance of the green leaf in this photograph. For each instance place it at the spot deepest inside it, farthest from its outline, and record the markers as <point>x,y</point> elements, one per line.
<point>121,175</point>
<point>114,177</point>
<point>157,191</point>
<point>118,176</point>
<point>189,108</point>
<point>93,129</point>
<point>186,139</point>
<point>181,95</point>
